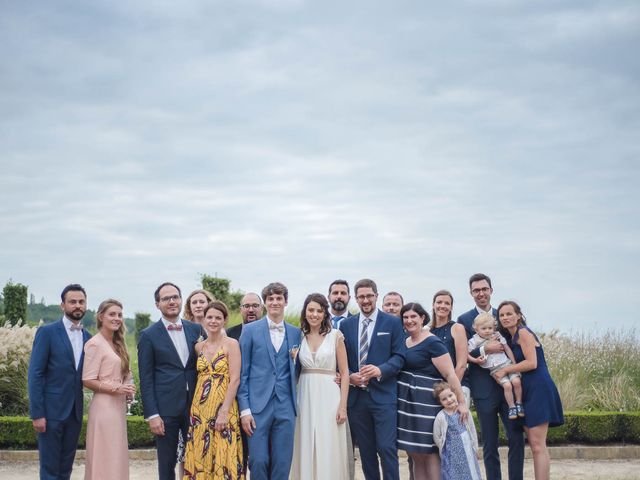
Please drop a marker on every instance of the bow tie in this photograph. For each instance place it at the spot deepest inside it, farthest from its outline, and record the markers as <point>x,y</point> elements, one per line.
<point>276,326</point>
<point>76,328</point>
<point>173,326</point>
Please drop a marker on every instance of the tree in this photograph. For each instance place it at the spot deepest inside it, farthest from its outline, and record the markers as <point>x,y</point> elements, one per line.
<point>15,302</point>
<point>142,321</point>
<point>219,288</point>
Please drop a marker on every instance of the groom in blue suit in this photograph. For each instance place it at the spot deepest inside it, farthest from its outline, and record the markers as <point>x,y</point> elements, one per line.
<point>167,366</point>
<point>55,385</point>
<point>266,396</point>
<point>375,350</point>
<point>487,395</point>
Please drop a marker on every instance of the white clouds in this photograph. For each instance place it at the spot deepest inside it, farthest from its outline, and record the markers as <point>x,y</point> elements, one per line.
<point>414,144</point>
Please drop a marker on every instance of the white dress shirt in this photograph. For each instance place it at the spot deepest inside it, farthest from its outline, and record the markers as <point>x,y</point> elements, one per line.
<point>276,334</point>
<point>75,337</point>
<point>179,340</point>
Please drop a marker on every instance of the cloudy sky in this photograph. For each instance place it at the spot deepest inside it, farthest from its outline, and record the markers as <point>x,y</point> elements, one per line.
<point>411,142</point>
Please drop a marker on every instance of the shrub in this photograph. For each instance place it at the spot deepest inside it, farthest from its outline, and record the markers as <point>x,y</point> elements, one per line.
<point>15,352</point>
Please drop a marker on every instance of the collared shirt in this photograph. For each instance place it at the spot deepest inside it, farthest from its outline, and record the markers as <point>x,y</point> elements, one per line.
<point>179,340</point>
<point>373,317</point>
<point>276,334</point>
<point>75,337</point>
<point>336,320</point>
<point>479,310</point>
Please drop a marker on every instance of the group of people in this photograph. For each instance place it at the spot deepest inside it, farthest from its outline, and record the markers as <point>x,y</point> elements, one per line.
<point>280,402</point>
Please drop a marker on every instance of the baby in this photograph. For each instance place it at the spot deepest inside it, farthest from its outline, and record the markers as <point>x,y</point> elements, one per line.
<point>485,328</point>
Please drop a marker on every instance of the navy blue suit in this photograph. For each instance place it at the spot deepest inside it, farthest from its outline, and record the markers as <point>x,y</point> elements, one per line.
<point>488,398</point>
<point>373,411</point>
<point>167,387</point>
<point>55,393</point>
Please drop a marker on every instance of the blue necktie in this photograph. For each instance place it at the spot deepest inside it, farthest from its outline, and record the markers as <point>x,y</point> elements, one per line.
<point>336,320</point>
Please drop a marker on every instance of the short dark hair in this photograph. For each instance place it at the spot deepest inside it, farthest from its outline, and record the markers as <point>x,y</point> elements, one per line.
<point>477,277</point>
<point>325,326</point>
<point>73,287</point>
<point>156,294</point>
<point>275,288</point>
<point>365,283</point>
<point>339,282</point>
<point>416,307</point>
<point>393,293</point>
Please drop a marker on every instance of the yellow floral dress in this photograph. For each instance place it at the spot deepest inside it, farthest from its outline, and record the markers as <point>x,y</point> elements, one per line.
<point>209,454</point>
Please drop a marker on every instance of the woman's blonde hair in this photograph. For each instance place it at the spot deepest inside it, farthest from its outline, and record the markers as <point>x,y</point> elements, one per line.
<point>188,314</point>
<point>118,336</point>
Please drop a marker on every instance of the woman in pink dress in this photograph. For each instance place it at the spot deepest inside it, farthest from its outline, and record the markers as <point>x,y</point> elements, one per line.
<point>106,372</point>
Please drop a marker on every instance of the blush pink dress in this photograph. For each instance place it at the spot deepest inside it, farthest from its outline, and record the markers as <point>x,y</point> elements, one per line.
<point>107,447</point>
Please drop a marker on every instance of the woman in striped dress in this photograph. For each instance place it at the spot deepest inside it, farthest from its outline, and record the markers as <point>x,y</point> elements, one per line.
<point>427,362</point>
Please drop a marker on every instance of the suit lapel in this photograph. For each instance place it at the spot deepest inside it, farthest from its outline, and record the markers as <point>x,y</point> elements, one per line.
<point>267,340</point>
<point>355,341</point>
<point>374,332</point>
<point>66,343</point>
<point>164,338</point>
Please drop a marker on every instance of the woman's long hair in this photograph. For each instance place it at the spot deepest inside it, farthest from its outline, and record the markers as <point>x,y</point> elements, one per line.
<point>325,326</point>
<point>118,336</point>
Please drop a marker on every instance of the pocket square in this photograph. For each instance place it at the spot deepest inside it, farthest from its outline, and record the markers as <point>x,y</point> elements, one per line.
<point>384,333</point>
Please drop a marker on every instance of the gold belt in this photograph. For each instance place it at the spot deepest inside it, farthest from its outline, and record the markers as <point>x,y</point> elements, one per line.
<point>326,371</point>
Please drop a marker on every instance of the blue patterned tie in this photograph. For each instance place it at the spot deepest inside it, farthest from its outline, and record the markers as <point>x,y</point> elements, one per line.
<point>364,341</point>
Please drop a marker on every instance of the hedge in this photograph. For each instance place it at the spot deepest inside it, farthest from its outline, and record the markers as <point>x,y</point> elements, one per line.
<point>580,427</point>
<point>17,433</point>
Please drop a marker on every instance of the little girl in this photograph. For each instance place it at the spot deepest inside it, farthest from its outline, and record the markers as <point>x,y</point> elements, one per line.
<point>457,442</point>
<point>485,328</point>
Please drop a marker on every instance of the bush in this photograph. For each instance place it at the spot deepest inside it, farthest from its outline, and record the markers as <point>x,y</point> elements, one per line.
<point>15,352</point>
<point>17,433</point>
<point>594,427</point>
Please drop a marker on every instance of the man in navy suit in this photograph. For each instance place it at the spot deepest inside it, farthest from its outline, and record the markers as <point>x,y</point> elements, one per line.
<point>487,395</point>
<point>167,366</point>
<point>375,351</point>
<point>267,393</point>
<point>338,298</point>
<point>250,311</point>
<point>55,385</point>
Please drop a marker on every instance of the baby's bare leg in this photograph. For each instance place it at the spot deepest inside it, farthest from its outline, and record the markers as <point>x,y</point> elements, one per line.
<point>517,388</point>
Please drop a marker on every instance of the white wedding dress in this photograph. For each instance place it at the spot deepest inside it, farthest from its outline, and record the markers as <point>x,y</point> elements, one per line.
<point>320,446</point>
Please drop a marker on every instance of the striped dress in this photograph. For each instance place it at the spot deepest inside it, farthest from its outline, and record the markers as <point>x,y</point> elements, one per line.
<point>417,408</point>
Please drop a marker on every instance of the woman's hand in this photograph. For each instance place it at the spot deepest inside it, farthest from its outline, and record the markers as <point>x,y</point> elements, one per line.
<point>341,416</point>
<point>499,374</point>
<point>128,389</point>
<point>222,420</point>
<point>463,410</point>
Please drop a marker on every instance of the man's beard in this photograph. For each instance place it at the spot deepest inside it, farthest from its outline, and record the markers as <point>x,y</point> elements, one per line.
<point>338,306</point>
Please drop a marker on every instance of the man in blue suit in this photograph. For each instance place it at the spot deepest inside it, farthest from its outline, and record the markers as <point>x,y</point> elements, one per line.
<point>55,385</point>
<point>375,351</point>
<point>167,366</point>
<point>266,396</point>
<point>487,395</point>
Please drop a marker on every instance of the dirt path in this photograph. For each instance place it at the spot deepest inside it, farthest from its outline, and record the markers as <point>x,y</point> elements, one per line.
<point>560,470</point>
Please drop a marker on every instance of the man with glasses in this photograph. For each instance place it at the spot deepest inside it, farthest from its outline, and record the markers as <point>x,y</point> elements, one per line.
<point>375,351</point>
<point>487,395</point>
<point>250,310</point>
<point>167,366</point>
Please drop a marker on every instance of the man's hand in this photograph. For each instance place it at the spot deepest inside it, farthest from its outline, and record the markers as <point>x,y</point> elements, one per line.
<point>337,379</point>
<point>248,424</point>
<point>357,380</point>
<point>493,347</point>
<point>40,425</point>
<point>157,426</point>
<point>370,371</point>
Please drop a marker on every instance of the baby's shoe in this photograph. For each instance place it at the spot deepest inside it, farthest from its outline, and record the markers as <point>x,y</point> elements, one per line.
<point>513,413</point>
<point>520,409</point>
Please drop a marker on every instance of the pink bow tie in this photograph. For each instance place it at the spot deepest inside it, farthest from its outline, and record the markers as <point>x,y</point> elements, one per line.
<point>173,326</point>
<point>276,326</point>
<point>75,328</point>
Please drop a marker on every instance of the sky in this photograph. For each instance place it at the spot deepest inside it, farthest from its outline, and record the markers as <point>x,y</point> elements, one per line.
<point>411,142</point>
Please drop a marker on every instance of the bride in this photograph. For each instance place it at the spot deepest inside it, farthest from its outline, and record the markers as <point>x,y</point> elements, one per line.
<point>320,448</point>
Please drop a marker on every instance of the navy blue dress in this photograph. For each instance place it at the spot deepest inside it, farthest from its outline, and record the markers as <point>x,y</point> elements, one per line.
<point>417,408</point>
<point>444,333</point>
<point>539,394</point>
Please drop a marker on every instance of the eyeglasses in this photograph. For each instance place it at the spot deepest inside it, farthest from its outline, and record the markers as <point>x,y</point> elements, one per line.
<point>476,291</point>
<point>247,306</point>
<point>365,297</point>
<point>170,298</point>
